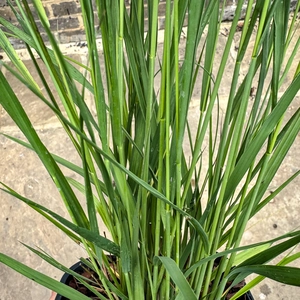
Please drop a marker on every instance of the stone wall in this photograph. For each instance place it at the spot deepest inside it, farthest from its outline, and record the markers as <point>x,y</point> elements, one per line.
<point>66,20</point>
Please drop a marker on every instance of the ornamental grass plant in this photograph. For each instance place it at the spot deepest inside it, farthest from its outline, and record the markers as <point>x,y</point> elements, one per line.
<point>171,215</point>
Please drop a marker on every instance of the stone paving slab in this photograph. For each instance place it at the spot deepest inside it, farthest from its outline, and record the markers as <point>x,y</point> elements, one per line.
<point>21,169</point>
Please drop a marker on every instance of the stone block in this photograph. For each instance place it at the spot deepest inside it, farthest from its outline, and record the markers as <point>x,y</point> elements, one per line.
<point>64,23</point>
<point>71,36</point>
<point>7,14</point>
<point>64,9</point>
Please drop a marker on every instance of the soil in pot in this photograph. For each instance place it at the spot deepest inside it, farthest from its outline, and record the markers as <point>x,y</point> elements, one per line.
<point>236,288</point>
<point>88,273</point>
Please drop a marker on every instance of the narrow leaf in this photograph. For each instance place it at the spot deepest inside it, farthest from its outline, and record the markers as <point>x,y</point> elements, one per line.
<point>42,279</point>
<point>178,277</point>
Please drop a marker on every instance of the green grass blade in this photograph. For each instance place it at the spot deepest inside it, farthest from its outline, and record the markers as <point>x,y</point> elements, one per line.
<point>178,277</point>
<point>27,39</point>
<point>42,279</point>
<point>258,279</point>
<point>286,275</point>
<point>268,254</point>
<point>87,282</point>
<point>267,127</point>
<point>13,107</point>
<point>242,248</point>
<point>15,59</point>
<point>84,233</point>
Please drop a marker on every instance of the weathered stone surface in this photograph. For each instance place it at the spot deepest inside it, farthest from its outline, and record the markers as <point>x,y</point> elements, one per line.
<point>73,36</point>
<point>64,23</point>
<point>7,14</point>
<point>21,169</point>
<point>64,9</point>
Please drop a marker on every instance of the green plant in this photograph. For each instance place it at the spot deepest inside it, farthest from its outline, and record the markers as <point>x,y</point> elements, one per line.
<point>170,215</point>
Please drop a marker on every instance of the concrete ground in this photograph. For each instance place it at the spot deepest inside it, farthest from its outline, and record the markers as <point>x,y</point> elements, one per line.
<point>21,169</point>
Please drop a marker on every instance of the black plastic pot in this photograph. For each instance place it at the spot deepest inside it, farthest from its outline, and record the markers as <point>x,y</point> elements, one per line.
<point>67,277</point>
<point>79,269</point>
<point>249,296</point>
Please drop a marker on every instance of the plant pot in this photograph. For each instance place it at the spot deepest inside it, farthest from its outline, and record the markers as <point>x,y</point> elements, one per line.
<point>69,279</point>
<point>247,296</point>
<point>66,278</point>
<point>78,268</point>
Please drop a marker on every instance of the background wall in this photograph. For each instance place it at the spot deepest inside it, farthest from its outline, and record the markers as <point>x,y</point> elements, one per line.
<point>66,20</point>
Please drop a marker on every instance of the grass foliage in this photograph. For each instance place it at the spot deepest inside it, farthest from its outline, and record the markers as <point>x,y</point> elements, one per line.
<point>170,214</point>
